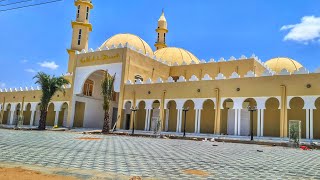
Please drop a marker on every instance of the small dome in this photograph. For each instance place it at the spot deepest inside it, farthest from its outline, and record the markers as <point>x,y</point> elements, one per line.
<point>178,55</point>
<point>133,40</point>
<point>279,63</point>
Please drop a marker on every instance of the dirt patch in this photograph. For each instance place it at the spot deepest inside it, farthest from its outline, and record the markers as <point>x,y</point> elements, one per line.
<point>23,174</point>
<point>196,172</point>
<point>89,139</point>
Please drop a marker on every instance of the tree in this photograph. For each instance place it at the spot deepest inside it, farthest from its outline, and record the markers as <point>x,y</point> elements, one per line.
<point>107,91</point>
<point>49,86</point>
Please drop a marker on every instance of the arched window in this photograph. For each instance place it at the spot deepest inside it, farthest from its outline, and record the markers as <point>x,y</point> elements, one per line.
<point>137,77</point>
<point>78,12</point>
<point>158,37</point>
<point>87,14</point>
<point>79,37</point>
<point>88,88</point>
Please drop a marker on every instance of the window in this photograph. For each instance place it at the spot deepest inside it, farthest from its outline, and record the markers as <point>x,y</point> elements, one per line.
<point>138,77</point>
<point>88,88</point>
<point>164,37</point>
<point>158,37</point>
<point>175,78</point>
<point>79,37</point>
<point>87,14</point>
<point>78,13</point>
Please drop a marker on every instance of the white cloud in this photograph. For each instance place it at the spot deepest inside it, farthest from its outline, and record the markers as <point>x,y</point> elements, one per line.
<point>30,70</point>
<point>50,65</point>
<point>2,85</point>
<point>308,30</point>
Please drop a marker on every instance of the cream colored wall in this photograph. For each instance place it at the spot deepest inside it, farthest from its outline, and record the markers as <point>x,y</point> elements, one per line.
<point>207,117</point>
<point>297,113</point>
<point>316,121</point>
<point>32,96</point>
<point>190,121</point>
<point>140,64</point>
<point>172,108</point>
<point>213,69</point>
<point>272,118</point>
<point>249,87</point>
<point>140,116</point>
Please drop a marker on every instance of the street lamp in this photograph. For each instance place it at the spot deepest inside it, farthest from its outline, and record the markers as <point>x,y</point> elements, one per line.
<point>185,110</point>
<point>251,109</point>
<point>134,110</point>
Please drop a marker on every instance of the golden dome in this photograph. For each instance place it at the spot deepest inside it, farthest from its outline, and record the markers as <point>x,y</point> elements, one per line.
<point>178,55</point>
<point>279,63</point>
<point>133,40</point>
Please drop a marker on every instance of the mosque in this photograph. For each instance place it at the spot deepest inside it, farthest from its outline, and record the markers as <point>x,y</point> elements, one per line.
<point>160,84</point>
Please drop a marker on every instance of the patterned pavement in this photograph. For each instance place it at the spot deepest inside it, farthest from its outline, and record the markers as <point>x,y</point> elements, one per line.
<point>155,158</point>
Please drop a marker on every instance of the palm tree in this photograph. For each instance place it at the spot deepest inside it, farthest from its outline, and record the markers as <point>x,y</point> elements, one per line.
<point>49,86</point>
<point>107,91</point>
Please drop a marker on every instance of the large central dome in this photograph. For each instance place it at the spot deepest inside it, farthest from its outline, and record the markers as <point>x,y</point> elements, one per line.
<point>133,40</point>
<point>176,55</point>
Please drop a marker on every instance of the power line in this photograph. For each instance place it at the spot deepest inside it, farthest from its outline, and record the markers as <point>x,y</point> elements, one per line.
<point>31,5</point>
<point>19,2</point>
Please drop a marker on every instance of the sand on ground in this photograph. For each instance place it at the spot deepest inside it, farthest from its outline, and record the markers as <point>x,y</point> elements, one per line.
<point>23,174</point>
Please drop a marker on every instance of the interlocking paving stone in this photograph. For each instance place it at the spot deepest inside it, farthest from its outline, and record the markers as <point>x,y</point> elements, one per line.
<point>157,158</point>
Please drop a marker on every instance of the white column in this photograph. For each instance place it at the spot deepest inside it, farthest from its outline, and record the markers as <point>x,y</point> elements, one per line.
<point>146,120</point>
<point>32,118</point>
<point>56,118</point>
<point>149,120</point>
<point>199,120</point>
<point>311,123</point>
<point>258,122</point>
<point>180,119</point>
<point>196,121</point>
<point>167,120</point>
<point>239,121</point>
<point>11,117</point>
<point>307,124</point>
<point>236,122</point>
<point>262,122</point>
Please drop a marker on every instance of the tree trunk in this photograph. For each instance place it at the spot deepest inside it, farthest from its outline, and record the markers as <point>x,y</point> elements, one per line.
<point>106,123</point>
<point>43,119</point>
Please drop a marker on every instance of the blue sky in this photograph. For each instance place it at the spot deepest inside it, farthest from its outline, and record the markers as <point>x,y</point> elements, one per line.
<point>36,39</point>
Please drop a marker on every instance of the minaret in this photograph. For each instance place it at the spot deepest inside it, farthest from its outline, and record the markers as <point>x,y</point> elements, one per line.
<point>81,29</point>
<point>162,30</point>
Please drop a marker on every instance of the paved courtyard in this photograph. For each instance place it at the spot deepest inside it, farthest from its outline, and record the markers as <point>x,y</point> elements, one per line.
<point>123,157</point>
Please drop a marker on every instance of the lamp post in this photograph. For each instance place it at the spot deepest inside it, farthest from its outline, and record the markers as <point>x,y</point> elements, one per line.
<point>251,109</point>
<point>134,110</point>
<point>185,110</point>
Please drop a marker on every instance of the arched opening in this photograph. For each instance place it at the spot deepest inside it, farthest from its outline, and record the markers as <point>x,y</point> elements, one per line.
<point>296,112</point>
<point>89,110</point>
<point>171,115</point>
<point>245,122</point>
<point>272,118</point>
<point>50,115</point>
<point>27,115</point>
<point>37,116</point>
<point>207,117</point>
<point>155,115</point>
<point>16,114</point>
<point>63,115</point>
<point>316,120</point>
<point>6,114</point>
<point>140,116</point>
<point>127,115</point>
<point>190,120</point>
<point>227,117</point>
